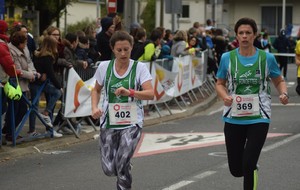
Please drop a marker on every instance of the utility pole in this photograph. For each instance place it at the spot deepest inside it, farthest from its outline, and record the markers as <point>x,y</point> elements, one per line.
<point>162,8</point>
<point>98,9</point>
<point>283,13</point>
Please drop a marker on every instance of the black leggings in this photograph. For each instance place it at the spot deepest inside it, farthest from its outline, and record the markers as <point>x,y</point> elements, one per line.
<point>244,144</point>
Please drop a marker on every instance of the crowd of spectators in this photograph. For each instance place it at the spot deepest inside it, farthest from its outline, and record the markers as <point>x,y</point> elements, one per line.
<point>90,45</point>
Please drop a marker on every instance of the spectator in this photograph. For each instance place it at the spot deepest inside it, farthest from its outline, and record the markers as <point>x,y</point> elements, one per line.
<point>7,68</point>
<point>152,49</point>
<point>82,50</point>
<point>60,63</point>
<point>265,44</point>
<point>31,44</point>
<point>168,38</point>
<point>200,38</point>
<point>17,46</point>
<point>257,41</point>
<point>43,61</point>
<point>212,67</point>
<point>166,52</point>
<point>117,21</point>
<point>108,28</point>
<point>29,48</point>
<point>234,44</point>
<point>139,37</point>
<point>282,45</point>
<point>180,44</point>
<point>209,24</point>
<point>133,27</point>
<point>93,53</point>
<point>71,44</point>
<point>193,47</point>
<point>168,58</point>
<point>220,43</point>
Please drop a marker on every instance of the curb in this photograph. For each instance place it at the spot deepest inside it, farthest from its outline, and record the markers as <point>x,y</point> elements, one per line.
<point>38,146</point>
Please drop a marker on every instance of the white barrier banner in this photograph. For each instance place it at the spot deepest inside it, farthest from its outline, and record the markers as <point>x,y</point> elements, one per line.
<point>182,81</point>
<point>186,74</point>
<point>78,96</point>
<point>163,83</point>
<point>196,72</point>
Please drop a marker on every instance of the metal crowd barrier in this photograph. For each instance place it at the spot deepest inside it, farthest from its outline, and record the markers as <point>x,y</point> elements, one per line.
<point>31,108</point>
<point>86,74</point>
<point>72,123</point>
<point>206,89</point>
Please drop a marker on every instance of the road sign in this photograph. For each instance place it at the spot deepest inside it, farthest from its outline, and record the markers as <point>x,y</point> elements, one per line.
<point>173,6</point>
<point>112,6</point>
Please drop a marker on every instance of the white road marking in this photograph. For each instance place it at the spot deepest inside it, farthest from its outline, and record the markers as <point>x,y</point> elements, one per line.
<point>209,173</point>
<point>178,185</point>
<point>218,154</point>
<point>37,149</point>
<point>216,111</point>
<point>56,152</point>
<point>280,143</point>
<point>205,174</point>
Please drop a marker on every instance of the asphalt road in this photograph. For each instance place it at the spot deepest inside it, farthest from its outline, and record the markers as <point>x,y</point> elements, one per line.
<point>182,154</point>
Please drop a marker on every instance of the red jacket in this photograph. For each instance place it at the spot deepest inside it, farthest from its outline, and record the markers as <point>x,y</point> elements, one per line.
<point>6,62</point>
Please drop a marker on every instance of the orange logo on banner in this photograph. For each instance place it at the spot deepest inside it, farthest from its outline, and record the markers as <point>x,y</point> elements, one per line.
<point>157,94</point>
<point>180,77</point>
<point>78,86</point>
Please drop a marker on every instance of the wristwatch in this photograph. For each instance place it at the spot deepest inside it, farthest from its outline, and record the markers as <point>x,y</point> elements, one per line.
<point>286,94</point>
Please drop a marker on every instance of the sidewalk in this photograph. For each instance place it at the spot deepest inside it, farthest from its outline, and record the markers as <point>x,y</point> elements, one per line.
<point>8,152</point>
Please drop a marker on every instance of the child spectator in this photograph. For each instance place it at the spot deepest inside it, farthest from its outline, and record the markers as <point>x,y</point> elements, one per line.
<point>82,50</point>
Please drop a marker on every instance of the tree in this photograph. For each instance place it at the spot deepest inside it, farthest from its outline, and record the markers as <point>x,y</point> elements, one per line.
<point>49,10</point>
<point>147,16</point>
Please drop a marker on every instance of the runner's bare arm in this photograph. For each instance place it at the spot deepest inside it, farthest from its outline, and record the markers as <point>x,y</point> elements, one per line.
<point>95,96</point>
<point>146,94</point>
<point>222,92</point>
<point>280,85</point>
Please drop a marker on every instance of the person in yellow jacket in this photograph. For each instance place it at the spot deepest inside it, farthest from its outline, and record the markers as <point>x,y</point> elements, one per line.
<point>152,48</point>
<point>297,61</point>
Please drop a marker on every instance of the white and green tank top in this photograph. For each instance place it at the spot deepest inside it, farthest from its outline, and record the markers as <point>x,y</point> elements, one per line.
<point>249,80</point>
<point>112,82</point>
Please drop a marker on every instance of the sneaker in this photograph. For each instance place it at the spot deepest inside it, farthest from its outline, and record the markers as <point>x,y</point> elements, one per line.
<point>33,134</point>
<point>66,130</point>
<point>47,119</point>
<point>56,134</point>
<point>78,128</point>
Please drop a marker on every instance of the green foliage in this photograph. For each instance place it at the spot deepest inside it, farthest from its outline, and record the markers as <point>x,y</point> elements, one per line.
<point>148,15</point>
<point>50,10</point>
<point>80,25</point>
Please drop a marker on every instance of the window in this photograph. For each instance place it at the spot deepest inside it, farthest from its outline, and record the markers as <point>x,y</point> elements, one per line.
<point>271,18</point>
<point>185,11</point>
